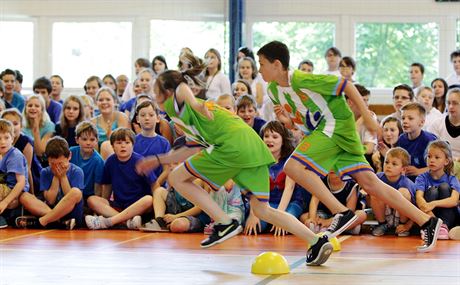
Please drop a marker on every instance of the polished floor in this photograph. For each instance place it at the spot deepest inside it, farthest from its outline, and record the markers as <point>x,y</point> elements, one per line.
<point>130,257</point>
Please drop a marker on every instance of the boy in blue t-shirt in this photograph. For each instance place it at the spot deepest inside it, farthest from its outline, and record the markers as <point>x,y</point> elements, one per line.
<point>132,193</point>
<point>148,142</point>
<point>13,171</point>
<point>61,183</point>
<point>89,160</point>
<point>246,109</point>
<point>42,86</point>
<point>414,139</point>
<point>396,162</point>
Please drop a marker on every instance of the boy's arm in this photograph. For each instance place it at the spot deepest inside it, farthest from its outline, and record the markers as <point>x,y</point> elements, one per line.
<point>313,210</point>
<point>152,162</point>
<point>184,93</point>
<point>450,202</point>
<point>414,171</point>
<point>52,193</point>
<point>287,194</point>
<point>353,94</point>
<point>15,192</point>
<point>106,191</point>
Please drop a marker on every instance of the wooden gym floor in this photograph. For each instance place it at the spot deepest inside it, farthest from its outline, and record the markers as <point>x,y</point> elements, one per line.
<point>128,257</point>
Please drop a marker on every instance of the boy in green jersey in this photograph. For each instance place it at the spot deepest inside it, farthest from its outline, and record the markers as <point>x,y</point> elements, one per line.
<point>223,147</point>
<point>315,104</point>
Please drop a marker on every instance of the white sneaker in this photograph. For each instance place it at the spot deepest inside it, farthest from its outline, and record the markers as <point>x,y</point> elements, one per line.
<point>134,223</point>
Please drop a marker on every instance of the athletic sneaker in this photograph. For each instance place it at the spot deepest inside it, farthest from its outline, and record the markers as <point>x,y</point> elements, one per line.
<point>222,233</point>
<point>153,226</point>
<point>3,223</point>
<point>380,230</point>
<point>134,223</point>
<point>340,223</point>
<point>95,222</point>
<point>70,224</point>
<point>454,233</point>
<point>430,234</point>
<point>27,222</point>
<point>318,253</point>
<point>443,232</point>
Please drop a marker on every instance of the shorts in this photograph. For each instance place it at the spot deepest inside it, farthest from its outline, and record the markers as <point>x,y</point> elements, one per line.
<point>320,154</point>
<point>256,180</point>
<point>4,191</point>
<point>195,224</point>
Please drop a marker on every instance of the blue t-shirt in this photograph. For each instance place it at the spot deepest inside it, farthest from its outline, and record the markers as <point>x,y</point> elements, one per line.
<point>54,111</point>
<point>146,146</point>
<point>403,182</point>
<point>277,184</point>
<point>47,128</point>
<point>92,167</point>
<point>12,163</point>
<point>74,175</point>
<point>17,102</point>
<point>425,181</point>
<point>258,124</point>
<point>417,147</point>
<point>127,185</point>
<point>128,105</point>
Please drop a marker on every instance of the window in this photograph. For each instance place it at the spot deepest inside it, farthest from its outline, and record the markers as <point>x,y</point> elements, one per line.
<point>167,38</point>
<point>16,48</point>
<point>81,50</point>
<point>458,34</point>
<point>384,52</point>
<point>304,40</point>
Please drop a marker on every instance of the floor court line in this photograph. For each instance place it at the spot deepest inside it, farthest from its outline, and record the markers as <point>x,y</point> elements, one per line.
<point>26,235</point>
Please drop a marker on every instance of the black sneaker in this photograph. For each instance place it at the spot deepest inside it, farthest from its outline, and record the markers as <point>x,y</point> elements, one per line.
<point>3,223</point>
<point>318,253</point>
<point>430,234</point>
<point>221,233</point>
<point>162,223</point>
<point>28,222</point>
<point>340,223</point>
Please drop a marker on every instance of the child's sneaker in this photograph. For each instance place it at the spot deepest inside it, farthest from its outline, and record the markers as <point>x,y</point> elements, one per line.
<point>430,234</point>
<point>25,222</point>
<point>134,223</point>
<point>221,233</point>
<point>153,226</point>
<point>380,230</point>
<point>3,223</point>
<point>96,222</point>
<point>70,224</point>
<point>318,253</point>
<point>443,232</point>
<point>340,223</point>
<point>454,233</point>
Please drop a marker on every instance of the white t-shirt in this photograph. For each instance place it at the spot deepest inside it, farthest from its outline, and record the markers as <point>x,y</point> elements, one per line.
<point>431,118</point>
<point>453,79</point>
<point>217,85</point>
<point>439,128</point>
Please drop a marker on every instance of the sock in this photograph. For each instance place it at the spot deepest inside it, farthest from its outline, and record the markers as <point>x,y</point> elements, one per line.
<point>107,221</point>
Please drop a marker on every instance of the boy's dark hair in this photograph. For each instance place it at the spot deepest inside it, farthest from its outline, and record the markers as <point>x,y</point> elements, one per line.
<point>8,72</point>
<point>393,119</point>
<point>362,90</point>
<point>42,83</point>
<point>454,54</point>
<point>288,140</point>
<point>6,127</point>
<point>405,87</point>
<point>306,61</point>
<point>143,62</point>
<point>415,106</point>
<point>276,50</point>
<point>335,51</point>
<point>247,52</point>
<point>19,76</point>
<point>85,127</point>
<point>146,104</point>
<point>59,77</point>
<point>121,134</point>
<point>400,153</point>
<point>349,62</point>
<point>57,147</point>
<point>245,101</point>
<point>420,66</point>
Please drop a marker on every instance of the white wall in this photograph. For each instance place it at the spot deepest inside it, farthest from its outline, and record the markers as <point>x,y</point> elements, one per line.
<point>343,13</point>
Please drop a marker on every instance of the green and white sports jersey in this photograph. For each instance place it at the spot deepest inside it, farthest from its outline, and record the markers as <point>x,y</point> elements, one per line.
<point>315,103</point>
<point>228,139</point>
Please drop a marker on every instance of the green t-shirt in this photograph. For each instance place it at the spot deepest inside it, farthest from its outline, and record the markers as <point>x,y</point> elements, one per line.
<point>228,140</point>
<point>315,103</point>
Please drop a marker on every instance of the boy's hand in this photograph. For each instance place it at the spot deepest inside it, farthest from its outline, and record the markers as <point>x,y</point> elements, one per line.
<point>144,166</point>
<point>283,116</point>
<point>278,231</point>
<point>382,148</point>
<point>251,225</point>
